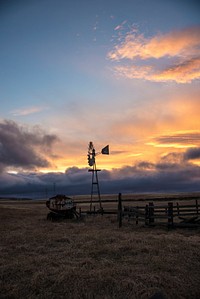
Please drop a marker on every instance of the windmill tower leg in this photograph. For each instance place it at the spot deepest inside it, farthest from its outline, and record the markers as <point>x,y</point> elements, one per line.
<point>95,186</point>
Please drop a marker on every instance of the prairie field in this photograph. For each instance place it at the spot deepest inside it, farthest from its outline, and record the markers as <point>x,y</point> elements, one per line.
<point>92,257</point>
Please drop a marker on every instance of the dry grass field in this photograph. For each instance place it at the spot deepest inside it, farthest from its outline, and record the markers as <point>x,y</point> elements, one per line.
<point>92,257</point>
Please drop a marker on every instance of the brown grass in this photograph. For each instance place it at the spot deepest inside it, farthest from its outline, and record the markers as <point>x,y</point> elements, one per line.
<point>93,258</point>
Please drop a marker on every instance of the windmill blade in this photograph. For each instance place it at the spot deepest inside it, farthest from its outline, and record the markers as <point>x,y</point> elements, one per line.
<point>90,146</point>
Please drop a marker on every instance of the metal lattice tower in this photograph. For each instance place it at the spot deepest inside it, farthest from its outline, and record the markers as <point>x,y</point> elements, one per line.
<point>95,189</point>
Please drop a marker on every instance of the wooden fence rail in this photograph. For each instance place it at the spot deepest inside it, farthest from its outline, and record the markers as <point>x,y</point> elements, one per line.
<point>153,212</point>
<point>150,213</point>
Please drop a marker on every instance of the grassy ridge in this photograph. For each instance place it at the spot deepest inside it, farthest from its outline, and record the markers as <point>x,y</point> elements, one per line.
<point>92,258</point>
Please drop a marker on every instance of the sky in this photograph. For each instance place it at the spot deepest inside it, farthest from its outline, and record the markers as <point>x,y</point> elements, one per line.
<point>124,73</point>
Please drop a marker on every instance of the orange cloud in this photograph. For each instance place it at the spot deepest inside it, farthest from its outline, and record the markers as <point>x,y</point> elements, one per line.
<point>168,57</point>
<point>177,43</point>
<point>133,134</point>
<point>157,128</point>
<point>181,73</point>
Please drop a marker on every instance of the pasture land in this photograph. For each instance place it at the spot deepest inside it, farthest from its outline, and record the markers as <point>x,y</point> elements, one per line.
<point>92,257</point>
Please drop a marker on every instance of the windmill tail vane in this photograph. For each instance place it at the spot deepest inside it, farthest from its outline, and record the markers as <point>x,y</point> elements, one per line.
<point>105,150</point>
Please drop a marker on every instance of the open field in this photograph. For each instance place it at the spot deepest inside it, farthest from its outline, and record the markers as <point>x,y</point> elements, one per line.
<point>92,257</point>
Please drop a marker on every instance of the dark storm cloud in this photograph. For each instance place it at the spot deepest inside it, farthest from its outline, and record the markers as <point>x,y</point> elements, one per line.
<point>36,185</point>
<point>145,165</point>
<point>161,177</point>
<point>139,178</point>
<point>192,153</point>
<point>172,158</point>
<point>22,147</point>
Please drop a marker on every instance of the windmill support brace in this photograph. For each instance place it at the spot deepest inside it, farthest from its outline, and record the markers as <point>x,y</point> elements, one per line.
<point>95,185</point>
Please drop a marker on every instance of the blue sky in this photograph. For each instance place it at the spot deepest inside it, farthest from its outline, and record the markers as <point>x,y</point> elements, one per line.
<point>124,73</point>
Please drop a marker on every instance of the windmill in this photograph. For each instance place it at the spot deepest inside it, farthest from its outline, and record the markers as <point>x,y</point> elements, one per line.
<point>92,163</point>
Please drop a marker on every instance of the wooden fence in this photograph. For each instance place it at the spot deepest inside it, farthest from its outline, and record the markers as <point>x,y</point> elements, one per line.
<point>167,213</point>
<point>158,211</point>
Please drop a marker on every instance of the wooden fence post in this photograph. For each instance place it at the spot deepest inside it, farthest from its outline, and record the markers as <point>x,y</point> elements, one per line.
<point>120,209</point>
<point>146,215</point>
<point>170,214</point>
<point>197,207</point>
<point>151,212</point>
<point>178,211</point>
<point>137,215</point>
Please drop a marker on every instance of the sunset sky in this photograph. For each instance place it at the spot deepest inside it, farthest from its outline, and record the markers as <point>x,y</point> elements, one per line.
<point>124,73</point>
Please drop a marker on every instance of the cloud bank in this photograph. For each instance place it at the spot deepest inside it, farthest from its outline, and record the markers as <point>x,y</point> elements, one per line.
<point>174,172</point>
<point>172,56</point>
<point>168,175</point>
<point>21,147</point>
